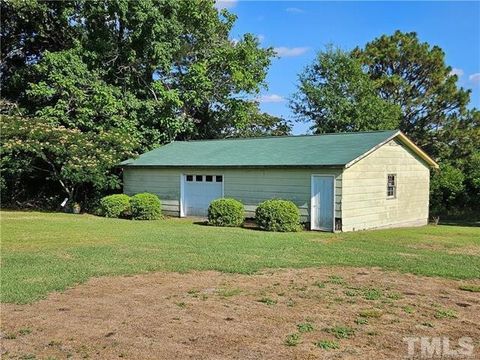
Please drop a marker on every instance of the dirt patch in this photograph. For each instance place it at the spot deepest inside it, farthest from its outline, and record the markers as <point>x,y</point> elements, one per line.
<point>327,313</point>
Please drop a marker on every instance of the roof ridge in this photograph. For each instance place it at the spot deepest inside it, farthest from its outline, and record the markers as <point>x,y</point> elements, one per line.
<point>288,136</point>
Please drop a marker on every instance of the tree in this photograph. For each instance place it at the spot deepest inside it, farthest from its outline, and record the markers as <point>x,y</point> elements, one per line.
<point>413,75</point>
<point>338,96</point>
<point>157,70</point>
<point>173,60</point>
<point>68,157</point>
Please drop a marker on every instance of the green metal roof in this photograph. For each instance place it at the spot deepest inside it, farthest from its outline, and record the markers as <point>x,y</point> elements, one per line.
<point>309,150</point>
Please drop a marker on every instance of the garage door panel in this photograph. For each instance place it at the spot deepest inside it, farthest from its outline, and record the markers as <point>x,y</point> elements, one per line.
<point>199,193</point>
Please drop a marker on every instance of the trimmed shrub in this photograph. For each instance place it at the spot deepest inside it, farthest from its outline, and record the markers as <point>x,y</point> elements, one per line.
<point>115,206</point>
<point>278,215</point>
<point>145,206</point>
<point>225,212</point>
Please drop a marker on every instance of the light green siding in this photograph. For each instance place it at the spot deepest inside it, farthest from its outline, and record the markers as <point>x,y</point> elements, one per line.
<point>250,186</point>
<point>365,204</point>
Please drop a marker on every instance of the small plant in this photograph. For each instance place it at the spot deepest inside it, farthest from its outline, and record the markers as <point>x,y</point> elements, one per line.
<point>278,215</point>
<point>361,321</point>
<point>319,284</point>
<point>305,327</point>
<point>193,293</point>
<point>24,331</point>
<point>28,357</point>
<point>470,287</point>
<point>327,344</point>
<point>292,339</point>
<point>351,292</point>
<point>267,301</point>
<point>445,314</point>
<point>341,332</point>
<point>10,336</point>
<point>226,212</point>
<point>115,206</point>
<point>427,324</point>
<point>228,292</point>
<point>181,305</point>
<point>55,343</point>
<point>394,295</point>
<point>408,309</point>
<point>145,206</point>
<point>335,279</point>
<point>370,313</point>
<point>372,294</point>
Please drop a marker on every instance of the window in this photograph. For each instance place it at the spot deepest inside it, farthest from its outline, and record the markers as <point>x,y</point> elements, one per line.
<point>208,178</point>
<point>199,178</point>
<point>189,177</point>
<point>219,178</point>
<point>391,186</point>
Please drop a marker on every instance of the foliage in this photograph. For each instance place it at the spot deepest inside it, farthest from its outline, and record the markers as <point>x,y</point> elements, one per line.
<point>278,215</point>
<point>341,332</point>
<point>292,339</point>
<point>338,96</point>
<point>156,70</point>
<point>413,75</point>
<point>64,156</point>
<point>226,212</point>
<point>446,185</point>
<point>115,206</point>
<point>327,344</point>
<point>145,206</point>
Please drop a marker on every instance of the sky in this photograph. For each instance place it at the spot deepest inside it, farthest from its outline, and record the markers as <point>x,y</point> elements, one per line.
<point>299,29</point>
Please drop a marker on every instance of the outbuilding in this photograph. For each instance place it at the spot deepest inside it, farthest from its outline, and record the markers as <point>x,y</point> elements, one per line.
<point>340,182</point>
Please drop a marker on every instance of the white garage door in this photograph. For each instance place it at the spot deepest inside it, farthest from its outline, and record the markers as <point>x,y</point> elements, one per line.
<point>199,191</point>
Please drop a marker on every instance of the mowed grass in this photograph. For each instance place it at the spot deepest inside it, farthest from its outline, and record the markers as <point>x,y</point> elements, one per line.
<point>45,252</point>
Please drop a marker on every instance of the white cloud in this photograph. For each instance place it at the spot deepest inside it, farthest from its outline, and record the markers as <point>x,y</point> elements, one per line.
<point>294,10</point>
<point>458,72</point>
<point>260,37</point>
<point>272,98</point>
<point>283,51</point>
<point>225,4</point>
<point>475,78</point>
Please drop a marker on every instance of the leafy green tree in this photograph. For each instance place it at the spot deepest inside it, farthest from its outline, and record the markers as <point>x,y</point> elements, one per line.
<point>338,96</point>
<point>157,70</point>
<point>446,186</point>
<point>413,75</point>
<point>172,61</point>
<point>68,157</point>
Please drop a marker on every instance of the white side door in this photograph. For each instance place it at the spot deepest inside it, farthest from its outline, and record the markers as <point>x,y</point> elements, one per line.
<point>322,202</point>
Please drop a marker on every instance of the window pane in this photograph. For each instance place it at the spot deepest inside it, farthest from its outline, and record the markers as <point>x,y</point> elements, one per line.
<point>219,178</point>
<point>209,178</point>
<point>189,177</point>
<point>198,177</point>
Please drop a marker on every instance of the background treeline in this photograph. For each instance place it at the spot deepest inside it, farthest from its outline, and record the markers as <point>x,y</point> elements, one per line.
<point>87,84</point>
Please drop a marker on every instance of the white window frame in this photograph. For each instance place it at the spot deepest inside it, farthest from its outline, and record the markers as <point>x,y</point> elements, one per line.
<point>395,185</point>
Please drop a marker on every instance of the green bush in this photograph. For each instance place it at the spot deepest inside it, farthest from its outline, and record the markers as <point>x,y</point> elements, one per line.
<point>278,215</point>
<point>115,206</point>
<point>225,212</point>
<point>146,206</point>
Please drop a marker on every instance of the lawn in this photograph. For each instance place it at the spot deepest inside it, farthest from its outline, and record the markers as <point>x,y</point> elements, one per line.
<point>45,252</point>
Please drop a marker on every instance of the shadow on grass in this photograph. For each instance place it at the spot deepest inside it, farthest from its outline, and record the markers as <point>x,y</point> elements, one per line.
<point>460,222</point>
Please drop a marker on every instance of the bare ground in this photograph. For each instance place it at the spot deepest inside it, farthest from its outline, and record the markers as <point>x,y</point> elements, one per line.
<point>218,316</point>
